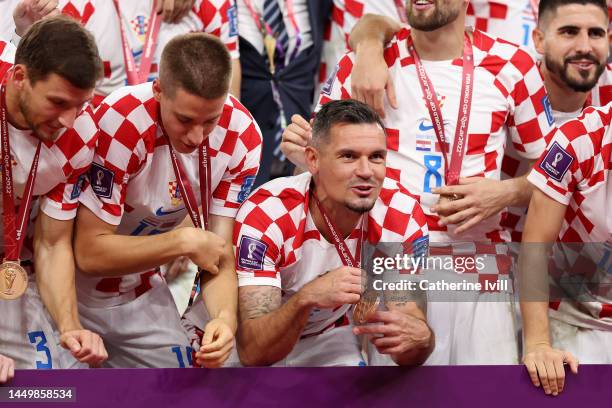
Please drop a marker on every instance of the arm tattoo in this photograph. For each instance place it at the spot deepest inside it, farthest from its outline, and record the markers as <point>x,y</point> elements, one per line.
<point>256,301</point>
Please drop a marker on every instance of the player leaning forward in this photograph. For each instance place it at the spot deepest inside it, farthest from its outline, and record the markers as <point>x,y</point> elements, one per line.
<point>55,69</point>
<point>298,243</point>
<point>166,148</point>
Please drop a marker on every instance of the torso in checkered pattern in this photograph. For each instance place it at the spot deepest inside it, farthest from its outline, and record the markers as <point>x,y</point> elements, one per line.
<point>585,186</point>
<point>345,14</point>
<point>513,166</point>
<point>276,215</point>
<point>216,17</point>
<point>61,164</point>
<point>145,198</point>
<point>512,20</point>
<point>509,101</point>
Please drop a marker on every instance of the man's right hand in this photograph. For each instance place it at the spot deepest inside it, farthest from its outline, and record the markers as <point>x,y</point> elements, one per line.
<point>545,367</point>
<point>370,79</point>
<point>335,288</point>
<point>295,139</point>
<point>7,369</point>
<point>27,12</point>
<point>207,249</point>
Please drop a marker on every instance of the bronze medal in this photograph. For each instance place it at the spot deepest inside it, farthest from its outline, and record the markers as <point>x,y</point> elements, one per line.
<point>367,305</point>
<point>13,280</point>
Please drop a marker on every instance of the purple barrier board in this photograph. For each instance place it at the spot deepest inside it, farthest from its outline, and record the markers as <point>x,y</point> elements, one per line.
<point>476,386</point>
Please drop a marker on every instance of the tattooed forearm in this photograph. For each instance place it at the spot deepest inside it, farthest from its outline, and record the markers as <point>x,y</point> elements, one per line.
<point>256,301</point>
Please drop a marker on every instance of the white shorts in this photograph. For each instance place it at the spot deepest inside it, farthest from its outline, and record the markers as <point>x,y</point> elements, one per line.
<point>335,347</point>
<point>29,336</point>
<point>145,332</point>
<point>590,346</point>
<point>473,333</point>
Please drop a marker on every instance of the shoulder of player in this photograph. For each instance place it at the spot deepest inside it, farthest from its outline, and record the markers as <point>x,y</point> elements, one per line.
<point>237,118</point>
<point>591,129</point>
<point>498,51</point>
<point>288,189</point>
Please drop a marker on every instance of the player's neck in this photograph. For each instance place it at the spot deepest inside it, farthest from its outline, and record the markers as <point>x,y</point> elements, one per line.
<point>562,98</point>
<point>445,43</point>
<point>343,219</point>
<point>14,115</point>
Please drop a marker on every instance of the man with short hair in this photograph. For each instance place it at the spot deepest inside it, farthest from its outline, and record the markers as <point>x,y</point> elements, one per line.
<point>166,149</point>
<point>51,80</point>
<point>460,96</point>
<point>298,243</point>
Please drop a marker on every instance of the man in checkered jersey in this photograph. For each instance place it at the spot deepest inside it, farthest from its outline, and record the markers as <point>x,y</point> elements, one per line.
<point>508,99</point>
<point>571,203</point>
<point>53,75</point>
<point>217,17</point>
<point>295,291</point>
<point>133,207</point>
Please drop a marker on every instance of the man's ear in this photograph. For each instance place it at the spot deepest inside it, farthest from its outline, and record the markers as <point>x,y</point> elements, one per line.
<point>311,156</point>
<point>538,40</point>
<point>19,75</point>
<point>157,91</point>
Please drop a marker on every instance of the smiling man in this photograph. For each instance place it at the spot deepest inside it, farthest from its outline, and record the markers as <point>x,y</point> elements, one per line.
<point>166,149</point>
<point>298,243</point>
<point>44,86</point>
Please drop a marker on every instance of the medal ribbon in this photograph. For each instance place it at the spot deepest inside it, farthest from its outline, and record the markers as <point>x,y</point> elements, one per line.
<point>14,229</point>
<point>345,254</point>
<point>133,77</point>
<point>186,190</point>
<point>401,11</point>
<point>452,169</point>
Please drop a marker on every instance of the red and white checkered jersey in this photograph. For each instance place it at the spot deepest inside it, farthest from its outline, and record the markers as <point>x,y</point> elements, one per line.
<point>509,99</point>
<point>345,14</point>
<point>278,244</point>
<point>61,168</point>
<point>512,20</point>
<point>576,170</point>
<point>133,184</point>
<point>512,166</point>
<point>217,17</point>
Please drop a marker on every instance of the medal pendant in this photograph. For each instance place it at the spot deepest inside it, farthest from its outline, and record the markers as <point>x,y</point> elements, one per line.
<point>13,280</point>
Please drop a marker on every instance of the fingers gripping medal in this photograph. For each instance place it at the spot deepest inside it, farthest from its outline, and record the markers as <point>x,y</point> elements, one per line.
<point>13,278</point>
<point>368,302</point>
<point>445,198</point>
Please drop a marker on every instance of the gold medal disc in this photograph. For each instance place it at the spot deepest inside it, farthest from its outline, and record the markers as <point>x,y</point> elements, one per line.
<point>13,280</point>
<point>365,307</point>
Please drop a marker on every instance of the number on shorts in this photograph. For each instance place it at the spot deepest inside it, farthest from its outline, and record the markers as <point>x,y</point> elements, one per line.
<point>179,356</point>
<point>39,338</point>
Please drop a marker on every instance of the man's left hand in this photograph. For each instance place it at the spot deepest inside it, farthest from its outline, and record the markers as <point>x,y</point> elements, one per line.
<point>174,10</point>
<point>394,332</point>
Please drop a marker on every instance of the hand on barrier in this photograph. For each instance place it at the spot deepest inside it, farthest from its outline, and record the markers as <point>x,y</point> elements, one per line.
<point>545,367</point>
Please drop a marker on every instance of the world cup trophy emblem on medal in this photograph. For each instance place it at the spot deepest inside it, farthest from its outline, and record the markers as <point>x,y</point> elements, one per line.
<point>13,280</point>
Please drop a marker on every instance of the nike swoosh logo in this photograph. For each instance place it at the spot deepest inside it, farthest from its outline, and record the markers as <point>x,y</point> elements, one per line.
<point>160,211</point>
<point>424,128</point>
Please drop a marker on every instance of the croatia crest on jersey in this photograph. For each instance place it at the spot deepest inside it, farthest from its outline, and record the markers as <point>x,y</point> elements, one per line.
<point>139,26</point>
<point>175,194</point>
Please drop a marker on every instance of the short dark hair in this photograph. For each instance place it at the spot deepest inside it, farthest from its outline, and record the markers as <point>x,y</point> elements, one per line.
<point>60,45</point>
<point>550,6</point>
<point>349,111</point>
<point>197,62</point>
